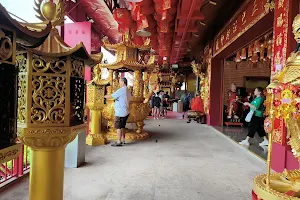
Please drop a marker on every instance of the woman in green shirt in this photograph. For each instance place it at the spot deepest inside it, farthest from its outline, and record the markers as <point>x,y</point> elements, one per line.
<point>257,121</point>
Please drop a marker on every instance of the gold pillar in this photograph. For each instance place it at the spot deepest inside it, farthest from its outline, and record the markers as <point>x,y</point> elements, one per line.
<point>50,101</point>
<point>111,80</point>
<point>146,84</point>
<point>47,167</point>
<point>138,84</point>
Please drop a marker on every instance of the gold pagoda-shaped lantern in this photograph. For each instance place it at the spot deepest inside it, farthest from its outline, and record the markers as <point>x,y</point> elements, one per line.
<point>51,103</point>
<point>95,102</point>
<point>12,33</point>
<point>127,60</point>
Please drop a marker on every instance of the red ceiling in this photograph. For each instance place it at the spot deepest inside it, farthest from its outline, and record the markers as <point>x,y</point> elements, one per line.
<point>171,22</point>
<point>188,13</point>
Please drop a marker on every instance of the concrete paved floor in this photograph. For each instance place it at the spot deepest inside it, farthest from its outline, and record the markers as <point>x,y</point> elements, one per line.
<point>188,162</point>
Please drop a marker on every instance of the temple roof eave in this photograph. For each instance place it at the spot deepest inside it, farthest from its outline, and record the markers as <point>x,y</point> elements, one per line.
<point>28,35</point>
<point>54,46</point>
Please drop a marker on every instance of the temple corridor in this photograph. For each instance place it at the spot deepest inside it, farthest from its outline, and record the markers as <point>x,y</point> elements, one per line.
<point>188,161</point>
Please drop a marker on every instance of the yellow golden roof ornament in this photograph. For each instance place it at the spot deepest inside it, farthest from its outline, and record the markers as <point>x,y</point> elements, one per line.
<point>126,42</point>
<point>54,45</point>
<point>49,11</point>
<point>127,55</point>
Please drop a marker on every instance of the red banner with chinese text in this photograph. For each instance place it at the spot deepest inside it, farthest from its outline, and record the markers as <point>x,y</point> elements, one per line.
<point>280,35</point>
<point>249,14</point>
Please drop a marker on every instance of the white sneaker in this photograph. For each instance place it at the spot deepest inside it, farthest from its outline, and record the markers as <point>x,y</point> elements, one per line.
<point>244,142</point>
<point>264,143</point>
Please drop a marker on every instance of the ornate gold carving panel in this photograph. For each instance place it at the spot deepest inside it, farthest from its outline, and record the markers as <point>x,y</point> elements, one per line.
<point>48,100</point>
<point>7,46</point>
<point>48,65</point>
<point>22,83</point>
<point>77,68</point>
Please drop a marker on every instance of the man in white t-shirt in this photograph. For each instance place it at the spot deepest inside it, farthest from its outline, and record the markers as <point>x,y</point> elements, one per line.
<point>122,98</point>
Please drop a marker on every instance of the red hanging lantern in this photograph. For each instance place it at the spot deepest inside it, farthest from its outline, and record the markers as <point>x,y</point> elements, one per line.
<point>122,15</point>
<point>123,28</point>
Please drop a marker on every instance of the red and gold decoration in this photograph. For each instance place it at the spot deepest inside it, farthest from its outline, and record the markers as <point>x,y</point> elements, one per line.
<point>285,102</point>
<point>260,50</point>
<point>268,125</point>
<point>251,13</point>
<point>203,71</point>
<point>280,35</point>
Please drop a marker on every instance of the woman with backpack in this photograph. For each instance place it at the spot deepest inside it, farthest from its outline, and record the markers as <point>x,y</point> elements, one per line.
<point>257,120</point>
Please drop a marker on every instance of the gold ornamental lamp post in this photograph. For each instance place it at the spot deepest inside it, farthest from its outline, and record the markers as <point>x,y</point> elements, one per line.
<point>95,102</point>
<point>51,102</point>
<point>12,33</point>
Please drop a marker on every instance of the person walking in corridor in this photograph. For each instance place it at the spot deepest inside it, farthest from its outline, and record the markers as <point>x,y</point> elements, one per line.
<point>157,103</point>
<point>122,98</point>
<point>257,120</point>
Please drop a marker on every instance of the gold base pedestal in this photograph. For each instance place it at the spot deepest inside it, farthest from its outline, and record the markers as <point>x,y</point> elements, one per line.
<point>96,140</point>
<point>278,189</point>
<point>131,135</point>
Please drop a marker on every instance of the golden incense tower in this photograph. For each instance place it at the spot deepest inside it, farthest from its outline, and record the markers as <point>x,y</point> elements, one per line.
<point>127,60</point>
<point>95,102</point>
<point>51,102</point>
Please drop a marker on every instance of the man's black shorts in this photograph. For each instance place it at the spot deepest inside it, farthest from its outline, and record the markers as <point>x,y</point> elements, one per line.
<point>120,122</point>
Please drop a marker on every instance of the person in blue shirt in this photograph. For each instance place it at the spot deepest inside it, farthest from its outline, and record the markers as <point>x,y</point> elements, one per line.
<point>122,98</point>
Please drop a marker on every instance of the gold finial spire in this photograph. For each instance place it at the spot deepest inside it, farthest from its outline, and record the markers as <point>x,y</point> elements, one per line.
<point>50,11</point>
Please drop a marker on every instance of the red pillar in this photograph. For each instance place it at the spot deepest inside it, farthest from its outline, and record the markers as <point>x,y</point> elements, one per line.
<point>284,44</point>
<point>215,116</point>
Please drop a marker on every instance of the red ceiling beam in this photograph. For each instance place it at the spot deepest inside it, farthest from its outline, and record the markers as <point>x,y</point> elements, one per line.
<point>187,23</point>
